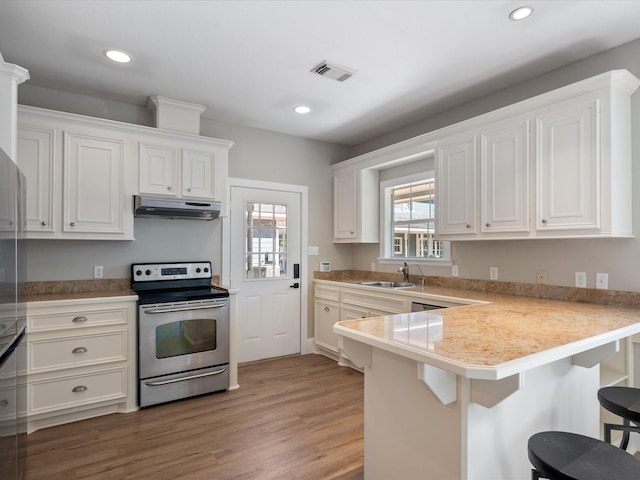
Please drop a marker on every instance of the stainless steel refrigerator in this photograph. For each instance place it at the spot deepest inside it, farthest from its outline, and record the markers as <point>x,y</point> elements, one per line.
<point>12,322</point>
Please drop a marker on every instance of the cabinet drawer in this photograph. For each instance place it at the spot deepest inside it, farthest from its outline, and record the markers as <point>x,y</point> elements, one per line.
<point>370,302</point>
<point>55,353</point>
<point>60,392</point>
<point>66,318</point>
<point>328,293</point>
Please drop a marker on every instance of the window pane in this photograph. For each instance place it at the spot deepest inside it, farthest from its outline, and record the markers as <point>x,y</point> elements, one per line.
<point>265,241</point>
<point>413,221</point>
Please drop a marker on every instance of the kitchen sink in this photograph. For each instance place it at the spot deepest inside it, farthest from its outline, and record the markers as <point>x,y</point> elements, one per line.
<point>389,284</point>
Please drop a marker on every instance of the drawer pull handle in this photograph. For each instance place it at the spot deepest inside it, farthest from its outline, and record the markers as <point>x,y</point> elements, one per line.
<point>79,388</point>
<point>79,350</point>
<point>79,320</point>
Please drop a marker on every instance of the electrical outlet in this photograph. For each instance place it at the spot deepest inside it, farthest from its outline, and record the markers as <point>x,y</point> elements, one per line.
<point>373,266</point>
<point>97,271</point>
<point>493,273</point>
<point>541,277</point>
<point>602,281</point>
<point>454,270</point>
<point>581,279</point>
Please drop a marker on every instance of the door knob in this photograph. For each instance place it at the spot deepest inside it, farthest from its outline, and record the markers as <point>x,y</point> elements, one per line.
<point>295,285</point>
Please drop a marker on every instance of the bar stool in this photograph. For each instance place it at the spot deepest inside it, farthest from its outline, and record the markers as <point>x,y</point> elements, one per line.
<point>624,402</point>
<point>569,456</point>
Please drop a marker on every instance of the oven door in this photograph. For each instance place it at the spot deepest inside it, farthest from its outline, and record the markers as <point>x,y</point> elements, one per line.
<point>178,337</point>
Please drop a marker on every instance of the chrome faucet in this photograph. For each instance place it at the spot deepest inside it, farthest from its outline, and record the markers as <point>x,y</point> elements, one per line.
<point>421,274</point>
<point>404,270</point>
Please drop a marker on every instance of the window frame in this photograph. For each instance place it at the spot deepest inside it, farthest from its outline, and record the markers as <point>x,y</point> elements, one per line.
<point>387,237</point>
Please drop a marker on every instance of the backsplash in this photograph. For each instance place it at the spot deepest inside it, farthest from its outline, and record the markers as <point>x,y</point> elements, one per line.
<point>85,286</point>
<point>550,292</point>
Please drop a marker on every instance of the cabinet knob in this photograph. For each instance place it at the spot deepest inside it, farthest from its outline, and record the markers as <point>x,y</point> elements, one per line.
<point>79,388</point>
<point>188,189</point>
<point>4,402</point>
<point>79,319</point>
<point>543,221</point>
<point>169,188</point>
<point>487,224</point>
<point>468,226</point>
<point>79,350</point>
<point>73,224</point>
<point>326,309</point>
<point>44,224</point>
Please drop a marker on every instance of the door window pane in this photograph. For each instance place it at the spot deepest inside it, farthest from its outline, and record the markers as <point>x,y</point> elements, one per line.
<point>265,240</point>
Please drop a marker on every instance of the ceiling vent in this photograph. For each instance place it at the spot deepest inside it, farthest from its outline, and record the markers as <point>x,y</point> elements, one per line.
<point>333,71</point>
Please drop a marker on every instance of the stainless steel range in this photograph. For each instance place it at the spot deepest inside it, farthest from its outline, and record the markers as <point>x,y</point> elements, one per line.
<point>183,331</point>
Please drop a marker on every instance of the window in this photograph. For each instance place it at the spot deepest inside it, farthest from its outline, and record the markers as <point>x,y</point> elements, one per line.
<point>265,240</point>
<point>408,211</point>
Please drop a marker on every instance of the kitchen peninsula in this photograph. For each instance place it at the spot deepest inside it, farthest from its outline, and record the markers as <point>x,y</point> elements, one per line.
<point>455,393</point>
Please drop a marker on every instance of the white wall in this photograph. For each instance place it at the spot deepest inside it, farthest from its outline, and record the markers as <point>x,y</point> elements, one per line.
<point>518,260</point>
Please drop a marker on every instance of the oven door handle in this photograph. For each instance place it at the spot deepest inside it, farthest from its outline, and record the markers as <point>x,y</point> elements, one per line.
<point>184,309</point>
<point>184,379</point>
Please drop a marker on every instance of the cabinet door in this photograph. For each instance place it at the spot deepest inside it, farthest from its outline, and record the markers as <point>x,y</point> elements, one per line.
<point>505,178</point>
<point>36,160</point>
<point>568,166</point>
<point>93,185</point>
<point>344,206</point>
<point>198,174</point>
<point>158,170</point>
<point>456,186</point>
<point>326,315</point>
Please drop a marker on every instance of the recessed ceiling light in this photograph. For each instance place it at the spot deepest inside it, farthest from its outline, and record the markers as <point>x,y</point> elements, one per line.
<point>521,13</point>
<point>117,56</point>
<point>302,109</point>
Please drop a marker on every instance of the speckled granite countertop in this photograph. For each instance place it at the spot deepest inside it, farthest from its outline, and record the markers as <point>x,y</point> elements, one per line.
<point>510,334</point>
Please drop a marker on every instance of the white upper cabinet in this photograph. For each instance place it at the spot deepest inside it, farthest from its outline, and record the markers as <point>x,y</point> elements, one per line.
<point>82,172</point>
<point>456,179</point>
<point>78,185</point>
<point>183,169</point>
<point>36,147</point>
<point>93,185</point>
<point>504,187</point>
<point>159,169</point>
<point>344,200</point>
<point>356,215</point>
<point>198,174</point>
<point>568,166</point>
<point>557,165</point>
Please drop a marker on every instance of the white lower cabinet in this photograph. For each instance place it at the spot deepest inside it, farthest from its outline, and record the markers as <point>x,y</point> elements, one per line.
<point>333,304</point>
<point>81,359</point>
<point>326,314</point>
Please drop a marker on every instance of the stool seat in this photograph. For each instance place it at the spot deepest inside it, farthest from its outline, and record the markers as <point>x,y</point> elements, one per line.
<point>623,401</point>
<point>569,456</point>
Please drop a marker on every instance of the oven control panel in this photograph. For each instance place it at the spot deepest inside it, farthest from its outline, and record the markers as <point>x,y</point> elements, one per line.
<point>151,272</point>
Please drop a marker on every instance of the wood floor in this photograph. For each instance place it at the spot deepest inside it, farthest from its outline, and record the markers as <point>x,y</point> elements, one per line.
<point>293,418</point>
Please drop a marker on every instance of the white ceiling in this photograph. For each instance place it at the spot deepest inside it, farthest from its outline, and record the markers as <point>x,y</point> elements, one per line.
<point>248,62</point>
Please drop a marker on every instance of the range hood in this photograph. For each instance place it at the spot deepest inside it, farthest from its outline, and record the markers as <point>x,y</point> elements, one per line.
<point>154,207</point>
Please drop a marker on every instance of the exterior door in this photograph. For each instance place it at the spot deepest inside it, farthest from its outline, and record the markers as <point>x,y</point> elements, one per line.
<point>265,259</point>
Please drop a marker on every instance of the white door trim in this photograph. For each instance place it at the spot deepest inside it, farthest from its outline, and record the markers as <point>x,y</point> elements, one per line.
<point>306,346</point>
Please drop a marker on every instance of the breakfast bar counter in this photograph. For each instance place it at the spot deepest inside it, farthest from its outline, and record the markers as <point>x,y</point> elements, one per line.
<point>455,393</point>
